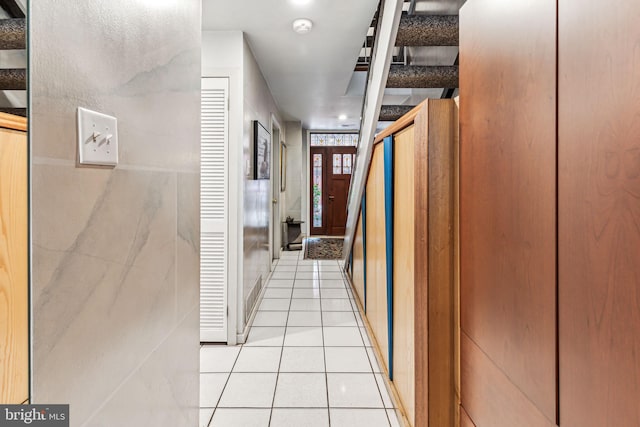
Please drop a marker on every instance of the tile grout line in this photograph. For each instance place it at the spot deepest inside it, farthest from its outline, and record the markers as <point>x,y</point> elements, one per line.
<point>284,337</point>
<point>215,409</point>
<point>324,350</point>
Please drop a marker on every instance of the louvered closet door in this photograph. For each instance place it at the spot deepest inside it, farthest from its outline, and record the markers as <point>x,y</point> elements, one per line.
<point>213,210</point>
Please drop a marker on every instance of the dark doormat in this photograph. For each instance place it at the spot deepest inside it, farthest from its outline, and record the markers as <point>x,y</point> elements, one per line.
<point>323,248</point>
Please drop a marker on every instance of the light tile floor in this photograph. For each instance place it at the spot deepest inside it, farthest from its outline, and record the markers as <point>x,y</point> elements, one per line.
<point>307,362</point>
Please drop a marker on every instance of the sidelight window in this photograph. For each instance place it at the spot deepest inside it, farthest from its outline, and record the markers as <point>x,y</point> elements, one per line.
<point>317,190</point>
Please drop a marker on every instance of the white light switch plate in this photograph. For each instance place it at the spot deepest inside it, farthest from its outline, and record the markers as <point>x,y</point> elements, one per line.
<point>97,138</point>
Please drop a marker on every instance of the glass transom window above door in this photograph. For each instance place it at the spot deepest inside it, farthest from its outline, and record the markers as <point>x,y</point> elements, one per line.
<point>334,139</point>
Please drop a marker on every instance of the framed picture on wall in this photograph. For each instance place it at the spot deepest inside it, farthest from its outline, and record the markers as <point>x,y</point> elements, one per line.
<point>261,151</point>
<point>283,167</point>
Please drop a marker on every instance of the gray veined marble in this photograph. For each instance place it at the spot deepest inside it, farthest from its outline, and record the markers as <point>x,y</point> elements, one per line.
<point>116,251</point>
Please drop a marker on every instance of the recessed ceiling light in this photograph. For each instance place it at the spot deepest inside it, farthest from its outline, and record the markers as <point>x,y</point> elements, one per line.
<point>300,2</point>
<point>342,117</point>
<point>302,26</point>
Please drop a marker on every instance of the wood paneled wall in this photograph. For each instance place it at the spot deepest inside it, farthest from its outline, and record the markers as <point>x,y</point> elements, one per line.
<point>14,250</point>
<point>550,337</point>
<point>508,211</point>
<point>599,213</point>
<point>404,272</point>
<point>424,269</point>
<point>376,254</point>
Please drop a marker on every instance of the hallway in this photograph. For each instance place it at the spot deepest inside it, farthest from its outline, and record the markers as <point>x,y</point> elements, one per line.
<point>307,362</point>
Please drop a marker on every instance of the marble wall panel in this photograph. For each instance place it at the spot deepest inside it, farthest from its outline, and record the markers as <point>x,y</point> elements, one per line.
<point>173,390</point>
<point>116,251</point>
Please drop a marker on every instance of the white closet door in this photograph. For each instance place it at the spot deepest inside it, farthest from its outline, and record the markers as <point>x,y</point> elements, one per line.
<point>214,209</point>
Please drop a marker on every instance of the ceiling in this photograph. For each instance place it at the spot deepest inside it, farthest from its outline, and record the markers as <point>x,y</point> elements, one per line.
<point>309,75</point>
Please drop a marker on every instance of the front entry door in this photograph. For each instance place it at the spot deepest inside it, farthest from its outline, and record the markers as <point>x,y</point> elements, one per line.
<point>331,175</point>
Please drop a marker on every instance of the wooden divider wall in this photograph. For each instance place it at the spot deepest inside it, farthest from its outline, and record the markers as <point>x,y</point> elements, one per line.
<point>14,250</point>
<point>404,272</point>
<point>412,312</point>
<point>376,253</point>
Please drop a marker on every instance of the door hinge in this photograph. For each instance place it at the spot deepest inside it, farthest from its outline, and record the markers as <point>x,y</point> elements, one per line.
<point>227,311</point>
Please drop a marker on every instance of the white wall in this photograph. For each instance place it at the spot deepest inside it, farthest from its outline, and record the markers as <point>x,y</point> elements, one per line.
<point>222,56</point>
<point>295,177</point>
<point>115,273</point>
<point>258,105</point>
<point>227,53</point>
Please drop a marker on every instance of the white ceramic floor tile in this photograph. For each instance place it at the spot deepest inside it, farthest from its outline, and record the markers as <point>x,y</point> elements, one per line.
<point>334,293</point>
<point>332,284</point>
<point>249,390</point>
<point>264,336</point>
<point>280,283</point>
<point>302,359</point>
<point>331,275</point>
<point>243,417</point>
<point>306,293</point>
<point>274,304</point>
<point>303,337</point>
<point>287,261</point>
<point>342,337</point>
<point>298,304</point>
<point>218,358</point>
<point>353,391</point>
<point>211,386</point>
<point>346,359</point>
<point>301,391</point>
<point>394,417</point>
<point>205,416</point>
<point>365,337</point>
<point>307,275</point>
<point>305,318</point>
<point>359,319</point>
<point>289,417</point>
<point>271,318</point>
<point>329,268</point>
<point>307,284</point>
<point>338,318</point>
<point>283,275</point>
<point>336,304</point>
<point>358,418</point>
<point>374,361</point>
<point>258,359</point>
<point>285,267</point>
<point>386,398</point>
<point>277,293</point>
<point>306,267</point>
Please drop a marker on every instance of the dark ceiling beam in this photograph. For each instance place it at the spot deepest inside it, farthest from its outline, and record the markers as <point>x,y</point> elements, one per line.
<point>15,111</point>
<point>449,92</point>
<point>401,76</point>
<point>13,34</point>
<point>12,8</point>
<point>428,30</point>
<point>391,113</point>
<point>13,79</point>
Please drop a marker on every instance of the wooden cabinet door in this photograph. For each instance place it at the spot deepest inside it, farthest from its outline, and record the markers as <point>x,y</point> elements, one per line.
<point>14,251</point>
<point>508,212</point>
